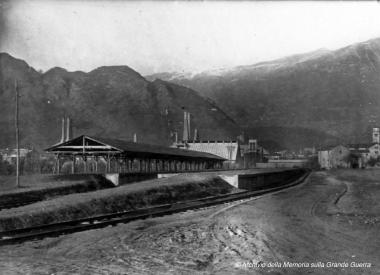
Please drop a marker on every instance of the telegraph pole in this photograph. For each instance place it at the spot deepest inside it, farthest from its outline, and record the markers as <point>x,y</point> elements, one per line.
<point>17,139</point>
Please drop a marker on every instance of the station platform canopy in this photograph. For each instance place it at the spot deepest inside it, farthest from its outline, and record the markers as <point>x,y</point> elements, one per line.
<point>96,146</point>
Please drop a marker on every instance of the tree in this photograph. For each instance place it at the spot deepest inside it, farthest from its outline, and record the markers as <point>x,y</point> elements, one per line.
<point>373,161</point>
<point>6,168</point>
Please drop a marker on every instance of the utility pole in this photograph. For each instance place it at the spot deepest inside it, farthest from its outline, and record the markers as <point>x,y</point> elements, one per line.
<point>17,140</point>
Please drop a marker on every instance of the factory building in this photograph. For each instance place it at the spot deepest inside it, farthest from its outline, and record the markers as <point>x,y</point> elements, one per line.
<point>252,153</point>
<point>334,157</point>
<point>236,152</point>
<point>229,150</point>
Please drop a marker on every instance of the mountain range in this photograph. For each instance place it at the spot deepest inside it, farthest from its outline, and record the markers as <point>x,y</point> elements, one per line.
<point>310,99</point>
<point>320,97</point>
<point>113,101</point>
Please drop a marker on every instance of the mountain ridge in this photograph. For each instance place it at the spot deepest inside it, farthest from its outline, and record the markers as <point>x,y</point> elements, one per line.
<point>335,92</point>
<point>109,101</point>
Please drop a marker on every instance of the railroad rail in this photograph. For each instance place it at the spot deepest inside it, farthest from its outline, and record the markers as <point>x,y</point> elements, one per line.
<point>16,204</point>
<point>95,222</point>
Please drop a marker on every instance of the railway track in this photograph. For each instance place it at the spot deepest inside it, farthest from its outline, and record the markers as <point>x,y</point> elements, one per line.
<point>95,222</point>
<point>16,204</point>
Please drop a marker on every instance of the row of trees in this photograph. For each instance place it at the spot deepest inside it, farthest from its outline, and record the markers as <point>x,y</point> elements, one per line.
<point>31,164</point>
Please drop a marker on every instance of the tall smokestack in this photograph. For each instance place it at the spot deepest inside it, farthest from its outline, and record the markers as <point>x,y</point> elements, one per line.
<point>188,126</point>
<point>135,138</point>
<point>185,127</point>
<point>63,138</point>
<point>69,128</point>
<point>176,137</point>
<point>196,137</point>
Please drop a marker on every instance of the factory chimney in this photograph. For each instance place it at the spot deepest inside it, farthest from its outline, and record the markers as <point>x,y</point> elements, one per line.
<point>135,138</point>
<point>63,138</point>
<point>196,135</point>
<point>69,129</point>
<point>176,137</point>
<point>186,126</point>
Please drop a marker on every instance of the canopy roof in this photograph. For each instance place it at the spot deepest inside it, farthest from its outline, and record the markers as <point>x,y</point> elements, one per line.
<point>87,145</point>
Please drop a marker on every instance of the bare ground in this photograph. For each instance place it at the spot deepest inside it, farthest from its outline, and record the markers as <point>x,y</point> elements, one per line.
<point>334,217</point>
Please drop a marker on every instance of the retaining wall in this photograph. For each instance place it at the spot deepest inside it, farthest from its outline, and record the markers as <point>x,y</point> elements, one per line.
<point>271,179</point>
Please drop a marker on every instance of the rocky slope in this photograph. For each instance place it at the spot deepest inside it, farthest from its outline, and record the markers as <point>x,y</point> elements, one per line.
<point>336,93</point>
<point>111,101</point>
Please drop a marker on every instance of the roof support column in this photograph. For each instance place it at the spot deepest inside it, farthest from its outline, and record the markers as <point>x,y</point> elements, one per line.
<point>162,166</point>
<point>141,163</point>
<point>73,165</point>
<point>84,164</point>
<point>119,164</point>
<point>127,160</point>
<point>156,165</point>
<point>170,165</point>
<point>129,165</point>
<point>148,165</point>
<point>108,167</point>
<point>58,164</point>
<point>96,164</point>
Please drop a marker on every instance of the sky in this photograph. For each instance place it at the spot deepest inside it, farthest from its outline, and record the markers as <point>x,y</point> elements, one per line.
<point>181,36</point>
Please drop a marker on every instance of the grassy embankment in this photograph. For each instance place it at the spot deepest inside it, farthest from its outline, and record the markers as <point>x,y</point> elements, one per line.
<point>122,198</point>
<point>42,187</point>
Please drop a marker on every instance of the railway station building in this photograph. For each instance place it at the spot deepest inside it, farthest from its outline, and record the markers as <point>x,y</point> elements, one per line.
<point>87,154</point>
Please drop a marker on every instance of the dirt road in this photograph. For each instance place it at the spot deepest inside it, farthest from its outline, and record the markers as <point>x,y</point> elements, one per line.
<point>332,222</point>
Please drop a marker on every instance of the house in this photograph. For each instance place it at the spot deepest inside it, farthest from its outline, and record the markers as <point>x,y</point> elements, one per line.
<point>374,150</point>
<point>252,153</point>
<point>10,155</point>
<point>334,157</point>
<point>361,153</point>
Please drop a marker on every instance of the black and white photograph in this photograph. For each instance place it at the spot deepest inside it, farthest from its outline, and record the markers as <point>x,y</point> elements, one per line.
<point>189,137</point>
